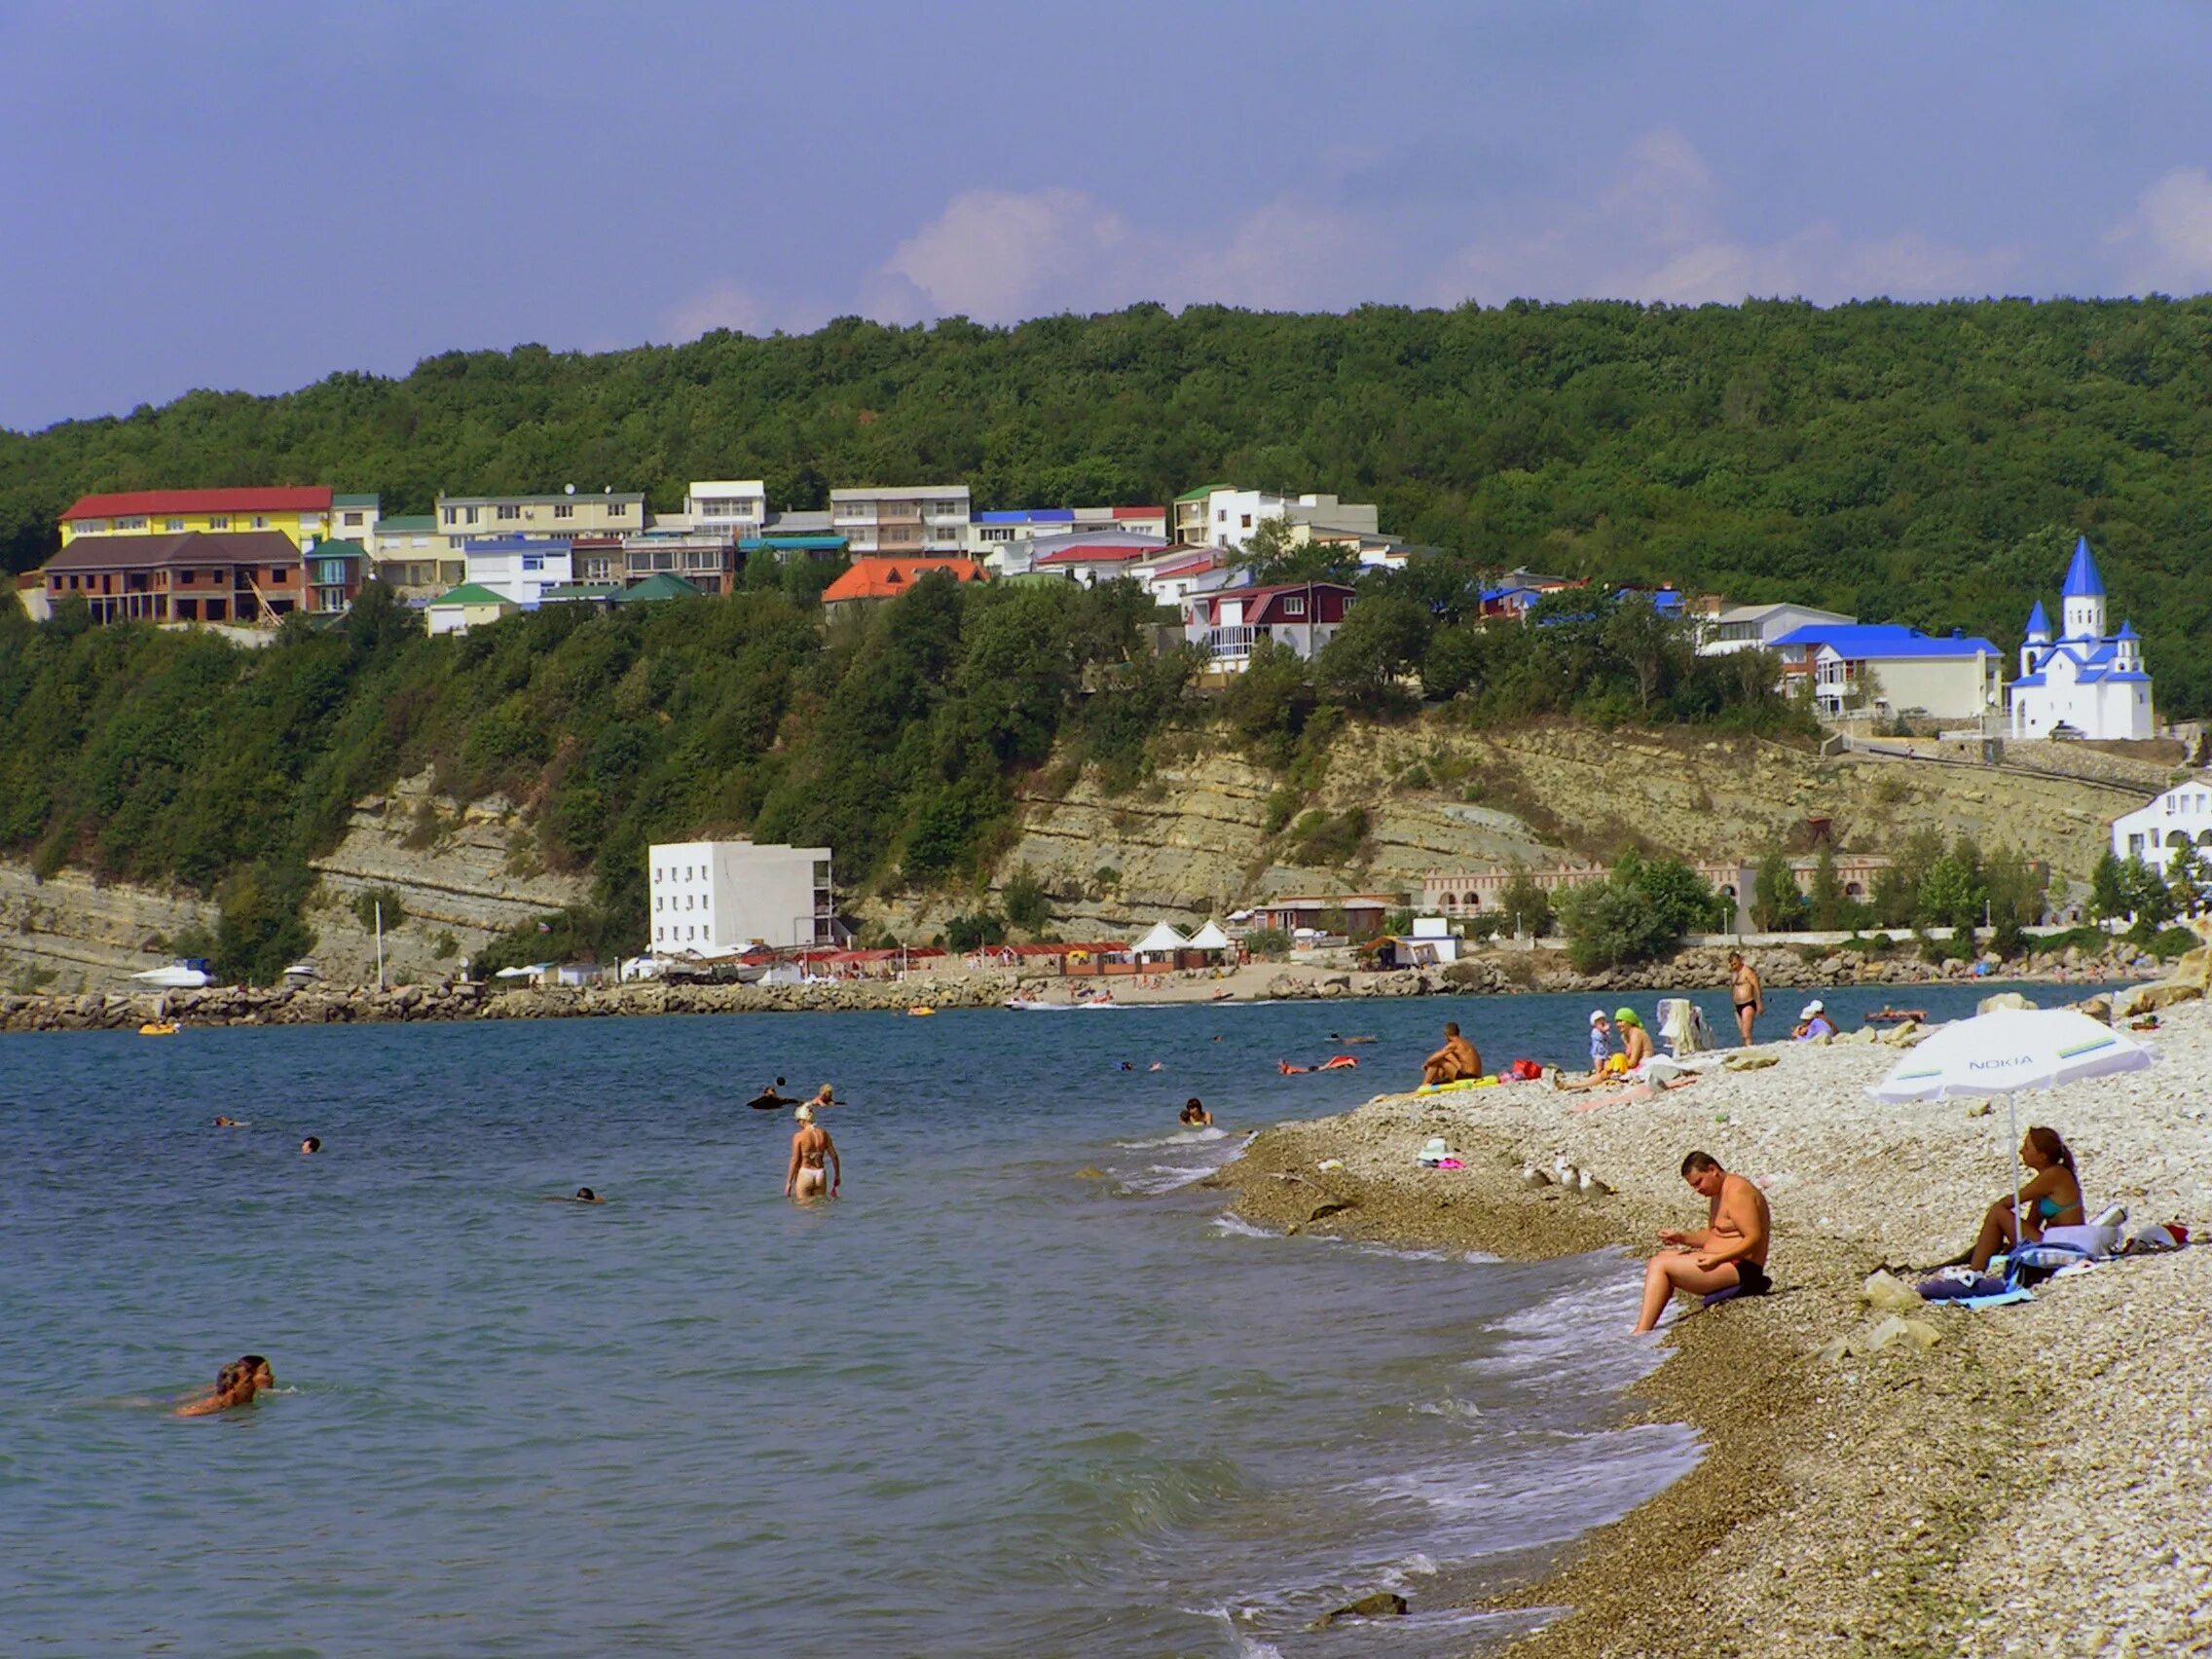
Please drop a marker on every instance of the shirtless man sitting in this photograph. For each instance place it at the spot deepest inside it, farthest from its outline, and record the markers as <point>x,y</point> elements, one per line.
<point>1455,1060</point>
<point>806,1178</point>
<point>1729,1250</point>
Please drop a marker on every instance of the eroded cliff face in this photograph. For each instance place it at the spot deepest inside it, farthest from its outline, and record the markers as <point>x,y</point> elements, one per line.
<point>1207,834</point>
<point>1210,831</point>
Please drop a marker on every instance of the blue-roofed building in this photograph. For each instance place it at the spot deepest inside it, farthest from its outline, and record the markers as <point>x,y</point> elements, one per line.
<point>1887,668</point>
<point>2084,682</point>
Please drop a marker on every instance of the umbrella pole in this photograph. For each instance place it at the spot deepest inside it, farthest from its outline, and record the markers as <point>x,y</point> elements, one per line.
<point>2012,1129</point>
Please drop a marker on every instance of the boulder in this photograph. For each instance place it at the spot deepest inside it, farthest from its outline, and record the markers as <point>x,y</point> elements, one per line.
<point>2002,999</point>
<point>2150,998</point>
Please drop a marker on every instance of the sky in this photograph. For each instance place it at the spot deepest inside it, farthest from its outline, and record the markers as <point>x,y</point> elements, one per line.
<point>253,196</point>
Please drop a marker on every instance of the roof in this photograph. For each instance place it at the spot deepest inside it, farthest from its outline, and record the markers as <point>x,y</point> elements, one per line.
<point>1203,491</point>
<point>883,576</point>
<point>1865,641</point>
<point>1209,938</point>
<point>1760,612</point>
<point>898,492</point>
<point>355,501</point>
<point>794,543</point>
<point>403,524</point>
<point>2038,622</point>
<point>473,593</point>
<point>806,522</point>
<point>267,499</point>
<point>1140,512</point>
<point>1330,900</point>
<point>515,544</point>
<point>182,547</point>
<point>531,500</point>
<point>659,585</point>
<point>1164,936</point>
<point>1029,515</point>
<point>1098,553</point>
<point>563,591</point>
<point>2081,578</point>
<point>336,547</point>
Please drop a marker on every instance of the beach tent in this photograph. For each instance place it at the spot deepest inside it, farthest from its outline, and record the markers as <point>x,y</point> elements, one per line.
<point>2006,1050</point>
<point>1163,940</point>
<point>1210,937</point>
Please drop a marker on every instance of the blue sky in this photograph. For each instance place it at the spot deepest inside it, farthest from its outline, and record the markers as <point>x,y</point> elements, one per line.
<point>254,195</point>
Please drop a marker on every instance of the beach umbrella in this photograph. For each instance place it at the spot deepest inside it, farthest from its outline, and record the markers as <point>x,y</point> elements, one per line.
<point>2009,1049</point>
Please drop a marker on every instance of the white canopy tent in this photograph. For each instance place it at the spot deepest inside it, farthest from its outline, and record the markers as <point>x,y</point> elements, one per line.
<point>1161,940</point>
<point>1210,937</point>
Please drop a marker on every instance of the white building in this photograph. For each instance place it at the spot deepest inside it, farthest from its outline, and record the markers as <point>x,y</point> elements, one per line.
<point>1101,556</point>
<point>2085,681</point>
<point>1222,515</point>
<point>518,568</point>
<point>909,519</point>
<point>1749,627</point>
<point>716,898</point>
<point>733,508</point>
<point>2180,817</point>
<point>1884,669</point>
<point>465,518</point>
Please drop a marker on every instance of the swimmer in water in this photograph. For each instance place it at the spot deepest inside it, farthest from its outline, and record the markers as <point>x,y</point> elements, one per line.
<point>810,1146</point>
<point>583,1196</point>
<point>1157,1065</point>
<point>233,1387</point>
<point>226,1123</point>
<point>826,1096</point>
<point>310,1147</point>
<point>1196,1115</point>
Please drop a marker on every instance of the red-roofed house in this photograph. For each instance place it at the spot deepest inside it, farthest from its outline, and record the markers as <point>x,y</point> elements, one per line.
<point>1091,561</point>
<point>295,511</point>
<point>873,578</point>
<point>1230,621</point>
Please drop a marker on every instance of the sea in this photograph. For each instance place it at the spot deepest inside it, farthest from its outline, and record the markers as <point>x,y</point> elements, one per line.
<point>1023,1389</point>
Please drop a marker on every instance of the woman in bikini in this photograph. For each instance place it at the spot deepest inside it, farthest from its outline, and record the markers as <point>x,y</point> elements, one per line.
<point>2052,1198</point>
<point>806,1178</point>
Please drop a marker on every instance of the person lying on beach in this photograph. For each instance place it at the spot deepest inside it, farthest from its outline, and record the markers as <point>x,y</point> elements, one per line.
<point>810,1146</point>
<point>1729,1251</point>
<point>2052,1198</point>
<point>583,1196</point>
<point>1196,1115</point>
<point>234,1385</point>
<point>1457,1059</point>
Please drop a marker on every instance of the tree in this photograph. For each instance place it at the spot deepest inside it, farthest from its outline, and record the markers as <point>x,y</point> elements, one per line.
<point>1024,899</point>
<point>1683,901</point>
<point>1826,905</point>
<point>1383,636</point>
<point>1777,903</point>
<point>1526,907</point>
<point>2108,889</point>
<point>1611,922</point>
<point>1948,897</point>
<point>2146,895</point>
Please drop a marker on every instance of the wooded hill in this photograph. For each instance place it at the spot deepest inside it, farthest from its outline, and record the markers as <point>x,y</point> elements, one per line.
<point>1920,463</point>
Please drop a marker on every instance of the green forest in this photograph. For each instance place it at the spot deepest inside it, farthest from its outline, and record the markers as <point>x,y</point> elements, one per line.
<point>1928,464</point>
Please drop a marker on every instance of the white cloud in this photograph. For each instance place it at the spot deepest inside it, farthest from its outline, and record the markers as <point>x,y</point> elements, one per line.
<point>996,255</point>
<point>1655,232</point>
<point>2166,243</point>
<point>732,306</point>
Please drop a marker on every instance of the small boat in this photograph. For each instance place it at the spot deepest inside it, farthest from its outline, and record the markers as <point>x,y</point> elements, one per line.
<point>301,972</point>
<point>158,1028</point>
<point>185,974</point>
<point>1895,1015</point>
<point>920,1011</point>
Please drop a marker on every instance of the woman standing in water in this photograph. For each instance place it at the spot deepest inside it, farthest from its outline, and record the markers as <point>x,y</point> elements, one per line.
<point>810,1146</point>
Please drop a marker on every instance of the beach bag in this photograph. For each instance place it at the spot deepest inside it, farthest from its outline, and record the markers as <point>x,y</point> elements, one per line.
<point>1525,1071</point>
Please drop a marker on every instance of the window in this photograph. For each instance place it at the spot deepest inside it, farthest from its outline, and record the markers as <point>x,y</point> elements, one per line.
<point>659,933</point>
<point>1244,522</point>
<point>219,521</point>
<point>469,515</point>
<point>173,524</point>
<point>616,509</point>
<point>506,512</point>
<point>656,902</point>
<point>453,515</point>
<point>259,522</point>
<point>353,519</point>
<point>532,562</point>
<point>130,523</point>
<point>1221,515</point>
<point>564,509</point>
<point>1294,604</point>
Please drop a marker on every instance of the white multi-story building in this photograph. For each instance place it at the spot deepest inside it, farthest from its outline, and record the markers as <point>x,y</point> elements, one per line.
<point>733,508</point>
<point>2093,684</point>
<point>1222,515</point>
<point>517,568</point>
<point>462,518</point>
<point>1754,627</point>
<point>909,519</point>
<point>716,898</point>
<point>2180,817</point>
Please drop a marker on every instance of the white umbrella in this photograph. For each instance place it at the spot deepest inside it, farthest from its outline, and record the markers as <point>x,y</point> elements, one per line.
<point>2006,1050</point>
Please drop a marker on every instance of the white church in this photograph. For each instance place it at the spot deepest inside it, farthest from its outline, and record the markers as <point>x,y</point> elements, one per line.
<point>2090,682</point>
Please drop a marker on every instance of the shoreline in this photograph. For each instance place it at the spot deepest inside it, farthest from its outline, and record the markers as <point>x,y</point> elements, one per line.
<point>1782,970</point>
<point>1872,1504</point>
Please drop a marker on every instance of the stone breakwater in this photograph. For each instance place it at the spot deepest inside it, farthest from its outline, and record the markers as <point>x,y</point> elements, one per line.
<point>1786,967</point>
<point>331,1005</point>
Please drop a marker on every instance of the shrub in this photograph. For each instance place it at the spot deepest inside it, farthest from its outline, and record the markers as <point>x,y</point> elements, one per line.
<point>1024,899</point>
<point>445,947</point>
<point>1321,838</point>
<point>1282,806</point>
<point>1270,945</point>
<point>975,929</point>
<point>1612,923</point>
<point>366,904</point>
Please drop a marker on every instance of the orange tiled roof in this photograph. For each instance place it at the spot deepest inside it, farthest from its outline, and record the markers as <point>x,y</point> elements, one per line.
<point>886,575</point>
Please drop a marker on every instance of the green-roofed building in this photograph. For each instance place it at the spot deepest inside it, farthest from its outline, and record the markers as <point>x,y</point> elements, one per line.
<point>472,605</point>
<point>601,594</point>
<point>413,559</point>
<point>657,586</point>
<point>1190,525</point>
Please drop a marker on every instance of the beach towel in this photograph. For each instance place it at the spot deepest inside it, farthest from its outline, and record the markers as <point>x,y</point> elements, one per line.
<point>1682,1027</point>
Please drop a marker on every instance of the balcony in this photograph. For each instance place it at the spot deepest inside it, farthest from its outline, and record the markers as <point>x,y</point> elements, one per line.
<point>1235,642</point>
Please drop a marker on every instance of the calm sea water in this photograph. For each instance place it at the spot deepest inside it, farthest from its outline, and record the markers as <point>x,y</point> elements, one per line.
<point>993,1402</point>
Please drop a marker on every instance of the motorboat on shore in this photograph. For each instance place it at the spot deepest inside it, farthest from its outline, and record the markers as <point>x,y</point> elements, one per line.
<point>185,974</point>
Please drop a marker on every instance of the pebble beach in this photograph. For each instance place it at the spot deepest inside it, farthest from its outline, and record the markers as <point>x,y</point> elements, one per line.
<point>2025,1485</point>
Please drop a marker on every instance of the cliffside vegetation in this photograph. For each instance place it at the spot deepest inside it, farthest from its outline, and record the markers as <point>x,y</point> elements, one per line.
<point>896,737</point>
<point>1919,463</point>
